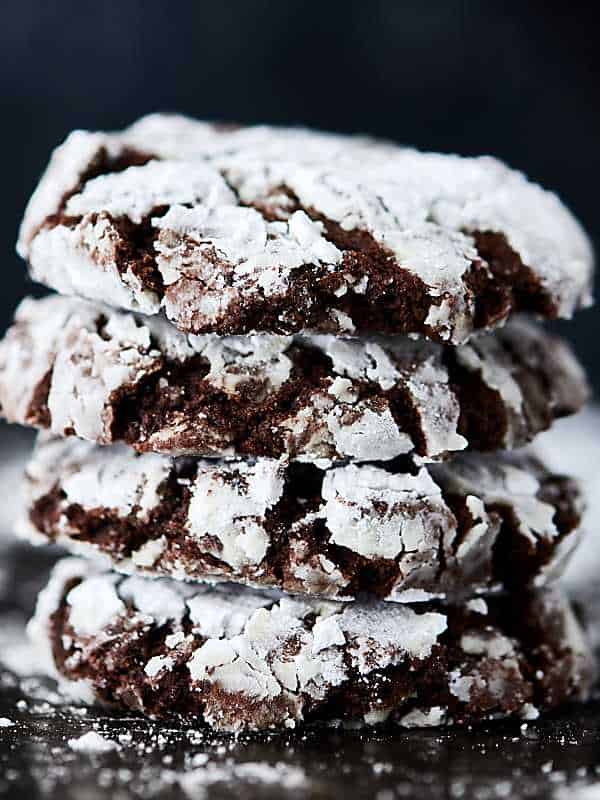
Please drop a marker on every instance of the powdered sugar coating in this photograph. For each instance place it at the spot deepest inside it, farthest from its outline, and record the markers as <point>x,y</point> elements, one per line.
<point>349,492</point>
<point>503,483</point>
<point>405,536</point>
<point>125,194</point>
<point>220,508</point>
<point>286,659</point>
<point>64,573</point>
<point>282,230</point>
<point>95,605</point>
<point>84,369</point>
<point>113,479</point>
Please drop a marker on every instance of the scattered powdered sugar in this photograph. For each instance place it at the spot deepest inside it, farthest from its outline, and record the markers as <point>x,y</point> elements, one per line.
<point>430,718</point>
<point>583,791</point>
<point>478,605</point>
<point>285,777</point>
<point>93,743</point>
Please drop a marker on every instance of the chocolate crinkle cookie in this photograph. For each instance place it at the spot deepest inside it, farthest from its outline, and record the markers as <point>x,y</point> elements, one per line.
<point>81,368</point>
<point>233,231</point>
<point>400,531</point>
<point>237,660</point>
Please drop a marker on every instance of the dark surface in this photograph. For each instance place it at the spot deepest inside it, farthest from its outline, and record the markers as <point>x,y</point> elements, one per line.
<point>518,80</point>
<point>496,762</point>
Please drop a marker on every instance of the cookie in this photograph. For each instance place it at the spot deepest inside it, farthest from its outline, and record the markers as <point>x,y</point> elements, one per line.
<point>282,231</point>
<point>81,368</point>
<point>236,659</point>
<point>475,524</point>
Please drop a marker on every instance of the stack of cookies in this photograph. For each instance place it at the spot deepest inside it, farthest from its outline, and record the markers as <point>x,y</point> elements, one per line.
<point>282,392</point>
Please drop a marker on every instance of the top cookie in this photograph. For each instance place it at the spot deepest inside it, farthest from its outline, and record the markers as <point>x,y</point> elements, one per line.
<point>232,231</point>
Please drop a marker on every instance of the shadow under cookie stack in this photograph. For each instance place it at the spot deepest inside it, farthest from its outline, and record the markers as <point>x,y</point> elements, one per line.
<point>283,389</point>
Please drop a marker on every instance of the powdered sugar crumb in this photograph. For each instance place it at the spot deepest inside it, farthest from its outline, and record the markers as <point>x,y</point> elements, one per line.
<point>92,742</point>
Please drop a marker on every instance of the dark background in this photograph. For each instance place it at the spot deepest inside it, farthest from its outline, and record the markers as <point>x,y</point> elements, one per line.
<point>515,79</point>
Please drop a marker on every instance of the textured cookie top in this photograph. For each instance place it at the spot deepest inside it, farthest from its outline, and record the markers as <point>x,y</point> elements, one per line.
<point>474,524</point>
<point>263,229</point>
<point>237,659</point>
<point>82,368</point>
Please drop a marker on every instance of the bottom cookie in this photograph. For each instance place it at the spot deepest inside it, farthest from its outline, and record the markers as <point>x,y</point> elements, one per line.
<point>238,659</point>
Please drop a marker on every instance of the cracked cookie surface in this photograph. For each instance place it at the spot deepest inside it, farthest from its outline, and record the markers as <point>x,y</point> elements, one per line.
<point>233,231</point>
<point>84,369</point>
<point>239,660</point>
<point>402,532</point>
